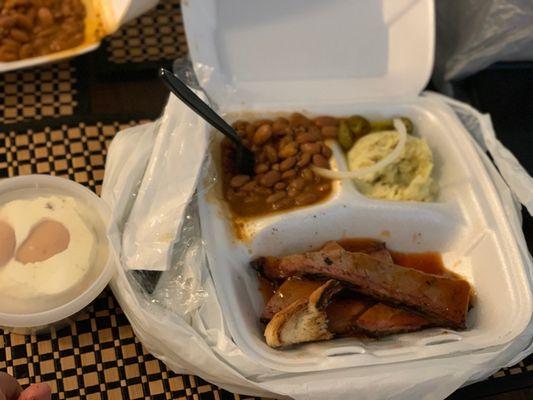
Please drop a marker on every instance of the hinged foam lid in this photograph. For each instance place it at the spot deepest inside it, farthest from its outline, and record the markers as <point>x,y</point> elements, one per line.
<point>250,52</point>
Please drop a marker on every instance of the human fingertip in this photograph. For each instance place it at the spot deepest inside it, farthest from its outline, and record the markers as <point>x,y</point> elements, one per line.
<point>37,391</point>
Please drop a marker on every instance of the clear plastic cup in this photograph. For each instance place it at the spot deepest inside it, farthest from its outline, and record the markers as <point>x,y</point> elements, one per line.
<point>40,314</point>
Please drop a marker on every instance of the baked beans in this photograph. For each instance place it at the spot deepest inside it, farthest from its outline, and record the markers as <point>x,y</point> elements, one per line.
<point>30,28</point>
<point>285,150</point>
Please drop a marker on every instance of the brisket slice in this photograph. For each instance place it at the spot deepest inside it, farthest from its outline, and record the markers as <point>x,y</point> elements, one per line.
<point>444,300</point>
<point>343,313</point>
<point>268,266</point>
<point>356,316</point>
<point>381,320</point>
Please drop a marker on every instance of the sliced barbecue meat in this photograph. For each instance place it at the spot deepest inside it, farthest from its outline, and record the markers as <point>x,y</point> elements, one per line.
<point>343,314</point>
<point>372,247</point>
<point>445,300</point>
<point>362,316</point>
<point>268,266</point>
<point>381,320</point>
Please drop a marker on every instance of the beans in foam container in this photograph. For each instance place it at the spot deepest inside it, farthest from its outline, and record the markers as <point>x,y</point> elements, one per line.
<point>33,32</point>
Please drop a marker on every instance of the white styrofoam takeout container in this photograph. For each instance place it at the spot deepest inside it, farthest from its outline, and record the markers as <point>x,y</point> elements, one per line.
<point>103,18</point>
<point>342,57</point>
<point>40,315</point>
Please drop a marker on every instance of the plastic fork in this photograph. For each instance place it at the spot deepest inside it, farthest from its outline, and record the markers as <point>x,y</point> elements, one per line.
<point>245,159</point>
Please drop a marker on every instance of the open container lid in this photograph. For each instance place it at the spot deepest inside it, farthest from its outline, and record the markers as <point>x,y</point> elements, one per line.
<point>254,52</point>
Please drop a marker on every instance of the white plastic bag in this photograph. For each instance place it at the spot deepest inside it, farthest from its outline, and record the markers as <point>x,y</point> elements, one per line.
<point>480,126</point>
<point>473,34</point>
<point>166,188</point>
<point>189,334</point>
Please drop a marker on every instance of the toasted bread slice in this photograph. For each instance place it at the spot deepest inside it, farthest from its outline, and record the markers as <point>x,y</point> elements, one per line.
<point>305,320</point>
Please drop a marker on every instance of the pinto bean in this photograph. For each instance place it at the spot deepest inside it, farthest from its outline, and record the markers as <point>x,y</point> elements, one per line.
<point>25,22</point>
<point>270,178</point>
<point>7,21</point>
<point>250,130</point>
<point>20,3</point>
<point>45,16</point>
<point>292,192</point>
<point>251,199</point>
<point>297,119</point>
<point>247,187</point>
<point>19,35</point>
<point>276,197</point>
<point>320,161</point>
<point>240,124</point>
<point>239,180</point>
<point>308,175</point>
<point>330,132</point>
<point>47,32</point>
<point>311,148</point>
<point>271,153</point>
<point>264,191</point>
<point>305,158</point>
<point>326,151</point>
<point>287,164</point>
<point>263,133</point>
<point>280,186</point>
<point>288,150</point>
<point>326,121</point>
<point>308,137</point>
<point>279,126</point>
<point>288,174</point>
<point>261,168</point>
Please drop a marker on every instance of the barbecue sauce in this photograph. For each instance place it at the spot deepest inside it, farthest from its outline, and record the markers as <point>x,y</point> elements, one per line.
<point>266,288</point>
<point>429,262</point>
<point>291,290</point>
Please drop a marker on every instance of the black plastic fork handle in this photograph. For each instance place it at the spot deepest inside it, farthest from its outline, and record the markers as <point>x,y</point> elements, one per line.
<point>196,104</point>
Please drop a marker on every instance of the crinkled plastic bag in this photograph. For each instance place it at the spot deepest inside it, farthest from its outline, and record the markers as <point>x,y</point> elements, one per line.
<point>473,34</point>
<point>165,190</point>
<point>177,316</point>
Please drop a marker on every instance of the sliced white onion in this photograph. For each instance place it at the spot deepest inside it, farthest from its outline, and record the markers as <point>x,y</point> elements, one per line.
<point>359,173</point>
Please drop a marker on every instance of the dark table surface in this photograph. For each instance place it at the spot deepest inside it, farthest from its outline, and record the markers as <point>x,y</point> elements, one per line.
<point>59,119</point>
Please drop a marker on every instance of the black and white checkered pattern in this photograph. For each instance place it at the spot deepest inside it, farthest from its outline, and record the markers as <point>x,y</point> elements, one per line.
<point>49,91</point>
<point>157,35</point>
<point>98,357</point>
<point>74,151</point>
